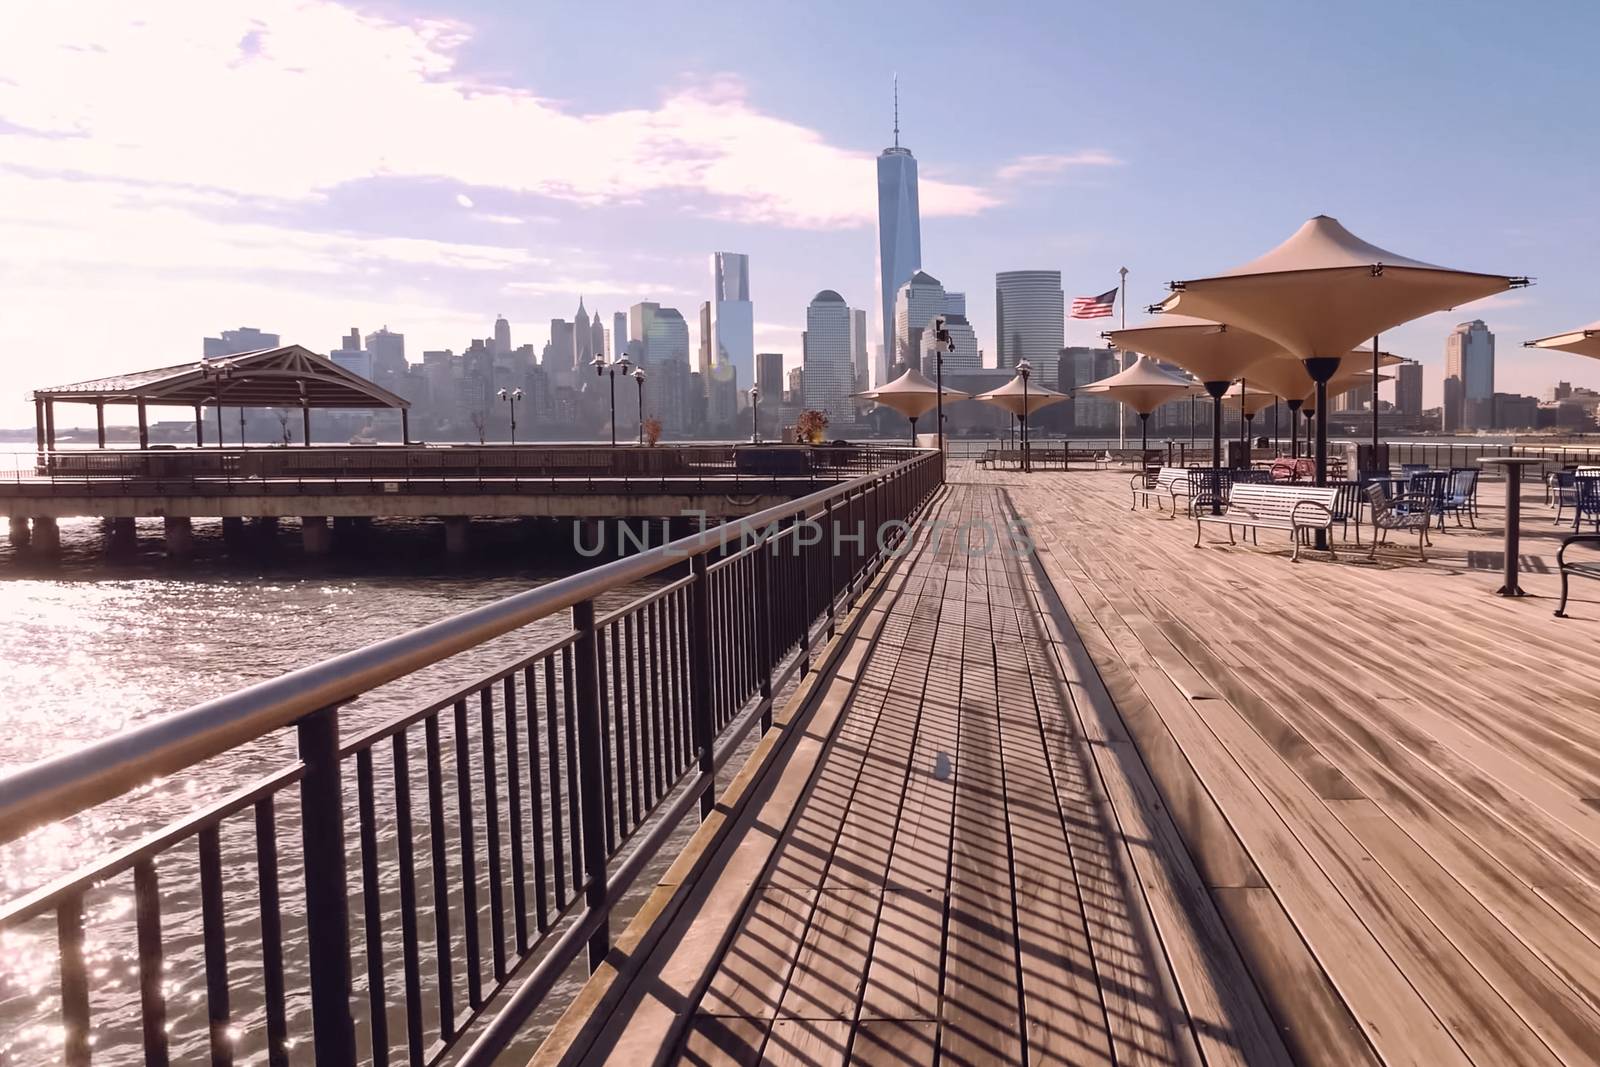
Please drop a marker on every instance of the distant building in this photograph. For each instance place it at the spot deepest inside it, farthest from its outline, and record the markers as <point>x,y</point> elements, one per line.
<point>351,356</point>
<point>659,333</point>
<point>582,337</point>
<point>667,396</point>
<point>797,385</point>
<point>1469,378</point>
<point>1077,367</point>
<point>1515,412</point>
<point>769,375</point>
<point>703,363</point>
<point>502,334</point>
<point>829,375</point>
<point>965,358</point>
<point>899,235</point>
<point>1408,389</point>
<point>860,358</point>
<point>732,315</point>
<point>1030,319</point>
<point>562,352</point>
<point>234,342</point>
<point>919,300</point>
<point>388,352</point>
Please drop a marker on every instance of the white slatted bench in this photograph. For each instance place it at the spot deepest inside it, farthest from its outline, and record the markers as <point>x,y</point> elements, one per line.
<point>1255,506</point>
<point>1169,482</point>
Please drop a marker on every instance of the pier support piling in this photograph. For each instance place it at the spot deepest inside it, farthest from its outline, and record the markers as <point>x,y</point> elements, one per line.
<point>46,540</point>
<point>179,536</point>
<point>457,535</point>
<point>124,536</point>
<point>316,536</point>
<point>233,532</point>
<point>21,535</point>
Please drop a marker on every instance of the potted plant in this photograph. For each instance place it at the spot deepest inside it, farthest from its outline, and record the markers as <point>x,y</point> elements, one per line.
<point>652,430</point>
<point>811,427</point>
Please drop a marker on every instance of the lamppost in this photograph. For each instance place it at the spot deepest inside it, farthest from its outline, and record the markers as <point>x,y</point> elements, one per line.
<point>1024,371</point>
<point>511,396</point>
<point>638,376</point>
<point>610,370</point>
<point>755,414</point>
<point>942,343</point>
<point>217,373</point>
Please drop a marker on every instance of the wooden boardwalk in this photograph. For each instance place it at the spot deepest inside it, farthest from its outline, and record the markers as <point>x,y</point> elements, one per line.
<point>1129,801</point>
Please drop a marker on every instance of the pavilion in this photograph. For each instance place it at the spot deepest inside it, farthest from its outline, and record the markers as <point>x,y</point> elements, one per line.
<point>288,377</point>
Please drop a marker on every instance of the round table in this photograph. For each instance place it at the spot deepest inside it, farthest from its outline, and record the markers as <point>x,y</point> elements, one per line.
<point>1513,467</point>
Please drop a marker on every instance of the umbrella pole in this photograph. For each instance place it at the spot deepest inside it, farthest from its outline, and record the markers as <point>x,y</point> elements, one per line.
<point>1374,460</point>
<point>1216,389</point>
<point>1294,427</point>
<point>913,431</point>
<point>1322,368</point>
<point>1144,438</point>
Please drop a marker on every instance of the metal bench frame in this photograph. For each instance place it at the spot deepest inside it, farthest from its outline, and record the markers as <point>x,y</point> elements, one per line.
<point>1171,482</point>
<point>1584,568</point>
<point>1255,506</point>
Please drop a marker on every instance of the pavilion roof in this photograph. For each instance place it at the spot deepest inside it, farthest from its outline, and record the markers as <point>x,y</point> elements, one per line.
<point>270,377</point>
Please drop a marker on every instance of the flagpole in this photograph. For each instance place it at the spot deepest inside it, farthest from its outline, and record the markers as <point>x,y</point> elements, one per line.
<point>1122,412</point>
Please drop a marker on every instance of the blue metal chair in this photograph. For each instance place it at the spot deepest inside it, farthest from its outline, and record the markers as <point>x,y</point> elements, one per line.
<point>1208,485</point>
<point>1408,469</point>
<point>1461,494</point>
<point>1425,494</point>
<point>1347,504</point>
<point>1586,492</point>
<point>1565,491</point>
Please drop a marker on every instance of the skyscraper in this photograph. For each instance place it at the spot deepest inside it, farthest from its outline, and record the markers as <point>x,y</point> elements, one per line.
<point>703,364</point>
<point>733,329</point>
<point>659,334</point>
<point>597,334</point>
<point>502,335</point>
<point>1030,319</point>
<point>582,337</point>
<point>829,374</point>
<point>388,352</point>
<point>620,337</point>
<point>351,356</point>
<point>920,299</point>
<point>769,374</point>
<point>233,342</point>
<point>858,349</point>
<point>965,358</point>
<point>899,233</point>
<point>1469,377</point>
<point>562,354</point>
<point>1408,388</point>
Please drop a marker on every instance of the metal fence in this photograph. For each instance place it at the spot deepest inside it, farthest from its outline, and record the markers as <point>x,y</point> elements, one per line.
<point>493,829</point>
<point>400,469</point>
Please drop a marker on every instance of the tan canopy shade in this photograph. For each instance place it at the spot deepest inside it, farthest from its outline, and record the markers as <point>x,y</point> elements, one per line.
<point>1021,401</point>
<point>291,376</point>
<point>1288,378</point>
<point>1255,400</point>
<point>1324,291</point>
<point>1143,387</point>
<point>911,394</point>
<point>1582,342</point>
<point>1209,350</point>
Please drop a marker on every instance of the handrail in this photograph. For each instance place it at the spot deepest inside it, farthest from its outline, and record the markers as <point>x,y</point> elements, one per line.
<point>65,784</point>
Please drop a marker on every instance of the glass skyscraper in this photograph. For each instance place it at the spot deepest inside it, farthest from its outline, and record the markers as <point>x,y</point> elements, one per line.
<point>1469,377</point>
<point>1030,320</point>
<point>829,376</point>
<point>733,327</point>
<point>899,237</point>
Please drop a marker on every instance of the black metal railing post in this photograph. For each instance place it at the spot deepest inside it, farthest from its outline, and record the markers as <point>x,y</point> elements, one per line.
<point>762,557</point>
<point>327,887</point>
<point>591,760</point>
<point>700,719</point>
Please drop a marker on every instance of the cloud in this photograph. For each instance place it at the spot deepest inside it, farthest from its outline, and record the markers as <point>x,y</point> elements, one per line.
<point>191,93</point>
<point>463,199</point>
<point>1039,167</point>
<point>592,286</point>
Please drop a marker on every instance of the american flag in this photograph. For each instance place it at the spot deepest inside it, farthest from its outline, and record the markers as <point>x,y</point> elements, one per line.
<point>1094,307</point>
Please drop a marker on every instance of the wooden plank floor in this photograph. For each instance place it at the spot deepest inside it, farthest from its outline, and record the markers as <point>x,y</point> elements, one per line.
<point>961,859</point>
<point>1388,778</point>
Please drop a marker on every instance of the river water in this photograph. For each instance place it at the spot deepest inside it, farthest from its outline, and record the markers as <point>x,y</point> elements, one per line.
<point>94,647</point>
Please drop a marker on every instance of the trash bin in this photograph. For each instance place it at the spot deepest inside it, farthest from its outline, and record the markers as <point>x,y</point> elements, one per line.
<point>1366,462</point>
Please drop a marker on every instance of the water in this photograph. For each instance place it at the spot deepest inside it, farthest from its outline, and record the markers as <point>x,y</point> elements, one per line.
<point>93,648</point>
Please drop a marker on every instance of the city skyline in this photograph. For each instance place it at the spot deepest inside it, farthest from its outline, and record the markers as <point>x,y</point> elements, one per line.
<point>121,239</point>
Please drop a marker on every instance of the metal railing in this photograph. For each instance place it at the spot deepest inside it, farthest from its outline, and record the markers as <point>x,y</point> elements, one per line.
<point>493,828</point>
<point>269,471</point>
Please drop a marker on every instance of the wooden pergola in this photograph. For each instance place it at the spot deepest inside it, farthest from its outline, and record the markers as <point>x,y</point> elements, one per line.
<point>287,377</point>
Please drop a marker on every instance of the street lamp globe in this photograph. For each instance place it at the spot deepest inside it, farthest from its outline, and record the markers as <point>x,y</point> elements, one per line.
<point>599,364</point>
<point>638,375</point>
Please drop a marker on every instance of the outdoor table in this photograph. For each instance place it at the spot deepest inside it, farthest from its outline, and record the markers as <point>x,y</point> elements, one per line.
<point>1513,468</point>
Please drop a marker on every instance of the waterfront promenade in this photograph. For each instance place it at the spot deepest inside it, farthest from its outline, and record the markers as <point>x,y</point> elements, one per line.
<point>1129,801</point>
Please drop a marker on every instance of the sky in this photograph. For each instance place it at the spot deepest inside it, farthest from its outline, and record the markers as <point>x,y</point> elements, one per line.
<point>174,168</point>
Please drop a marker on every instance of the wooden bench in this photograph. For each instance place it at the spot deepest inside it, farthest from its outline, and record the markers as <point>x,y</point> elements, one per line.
<point>1583,567</point>
<point>1255,506</point>
<point>1169,482</point>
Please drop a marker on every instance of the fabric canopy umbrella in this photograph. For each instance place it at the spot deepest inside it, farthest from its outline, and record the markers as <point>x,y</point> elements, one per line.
<point>1143,387</point>
<point>1214,353</point>
<point>1324,291</point>
<point>1022,399</point>
<point>1289,379</point>
<point>912,395</point>
<point>1582,342</point>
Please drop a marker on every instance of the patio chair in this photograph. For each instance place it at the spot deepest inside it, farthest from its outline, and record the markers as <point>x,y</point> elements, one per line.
<point>1207,484</point>
<point>1565,490</point>
<point>1426,492</point>
<point>1460,494</point>
<point>1408,469</point>
<point>1587,501</point>
<point>1252,476</point>
<point>1389,515</point>
<point>1347,506</point>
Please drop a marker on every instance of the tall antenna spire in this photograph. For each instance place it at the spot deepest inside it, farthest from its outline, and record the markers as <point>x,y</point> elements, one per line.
<point>897,110</point>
